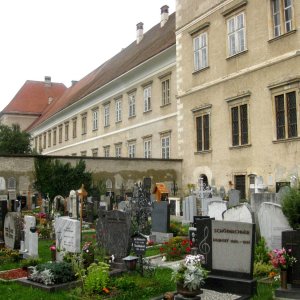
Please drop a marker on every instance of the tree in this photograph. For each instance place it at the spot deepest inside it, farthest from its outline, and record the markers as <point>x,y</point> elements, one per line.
<point>13,140</point>
<point>56,178</point>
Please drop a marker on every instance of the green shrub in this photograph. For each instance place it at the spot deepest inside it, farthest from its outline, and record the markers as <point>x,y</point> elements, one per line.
<point>291,207</point>
<point>261,252</point>
<point>97,278</point>
<point>30,262</point>
<point>262,269</point>
<point>124,283</point>
<point>62,271</point>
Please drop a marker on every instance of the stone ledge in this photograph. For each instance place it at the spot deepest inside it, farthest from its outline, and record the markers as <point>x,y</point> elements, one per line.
<point>49,288</point>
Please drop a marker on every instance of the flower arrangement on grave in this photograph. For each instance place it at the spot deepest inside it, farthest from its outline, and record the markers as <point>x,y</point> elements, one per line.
<point>190,275</point>
<point>282,259</point>
<point>176,248</point>
<point>53,251</point>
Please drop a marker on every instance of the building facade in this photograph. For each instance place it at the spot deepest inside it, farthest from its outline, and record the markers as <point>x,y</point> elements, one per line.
<point>238,86</point>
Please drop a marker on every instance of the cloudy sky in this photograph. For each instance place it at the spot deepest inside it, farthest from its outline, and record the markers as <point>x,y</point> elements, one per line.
<point>66,39</point>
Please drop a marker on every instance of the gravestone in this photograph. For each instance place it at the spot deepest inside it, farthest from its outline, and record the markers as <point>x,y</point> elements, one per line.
<point>2,184</point>
<point>284,190</point>
<point>12,230</point>
<point>207,201</point>
<point>3,211</point>
<point>90,210</point>
<point>73,205</point>
<point>33,243</point>
<point>113,232</point>
<point>122,206</point>
<point>229,251</point>
<point>29,222</point>
<point>216,209</point>
<point>68,236</point>
<point>11,183</point>
<point>172,207</point>
<point>161,217</point>
<point>222,192</point>
<point>139,244</point>
<point>272,223</point>
<point>239,213</point>
<point>234,197</point>
<point>189,207</point>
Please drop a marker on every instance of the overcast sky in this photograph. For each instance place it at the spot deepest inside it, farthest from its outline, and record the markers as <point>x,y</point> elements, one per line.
<point>66,39</point>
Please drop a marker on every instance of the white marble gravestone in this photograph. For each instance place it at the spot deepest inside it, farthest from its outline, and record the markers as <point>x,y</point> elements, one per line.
<point>216,209</point>
<point>33,244</point>
<point>72,205</point>
<point>189,209</point>
<point>234,197</point>
<point>271,223</point>
<point>2,184</point>
<point>239,213</point>
<point>68,235</point>
<point>29,221</point>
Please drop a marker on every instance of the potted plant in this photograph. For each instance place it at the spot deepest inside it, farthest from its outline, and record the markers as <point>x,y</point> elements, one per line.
<point>190,276</point>
<point>282,259</point>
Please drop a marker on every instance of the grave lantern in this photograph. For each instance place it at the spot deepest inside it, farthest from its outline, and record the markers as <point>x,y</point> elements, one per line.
<point>130,262</point>
<point>161,192</point>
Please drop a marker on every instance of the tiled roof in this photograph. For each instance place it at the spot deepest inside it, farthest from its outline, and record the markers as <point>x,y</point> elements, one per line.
<point>155,40</point>
<point>33,97</point>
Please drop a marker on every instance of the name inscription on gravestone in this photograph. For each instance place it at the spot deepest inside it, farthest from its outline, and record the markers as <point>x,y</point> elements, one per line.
<point>139,244</point>
<point>233,240</point>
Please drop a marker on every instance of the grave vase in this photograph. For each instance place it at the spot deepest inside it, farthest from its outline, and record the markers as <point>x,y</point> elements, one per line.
<point>283,279</point>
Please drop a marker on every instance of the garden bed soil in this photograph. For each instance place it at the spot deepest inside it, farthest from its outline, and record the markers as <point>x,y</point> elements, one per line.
<point>49,288</point>
<point>13,274</point>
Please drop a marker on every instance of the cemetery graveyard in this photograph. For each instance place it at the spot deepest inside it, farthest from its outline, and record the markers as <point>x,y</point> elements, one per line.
<point>114,239</point>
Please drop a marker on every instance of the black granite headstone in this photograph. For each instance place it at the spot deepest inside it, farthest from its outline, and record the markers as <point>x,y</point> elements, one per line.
<point>3,211</point>
<point>139,243</point>
<point>172,207</point>
<point>113,232</point>
<point>161,217</point>
<point>291,240</point>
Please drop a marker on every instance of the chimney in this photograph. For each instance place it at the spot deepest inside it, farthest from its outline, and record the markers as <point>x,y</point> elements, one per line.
<point>73,82</point>
<point>164,12</point>
<point>50,99</point>
<point>48,80</point>
<point>139,32</point>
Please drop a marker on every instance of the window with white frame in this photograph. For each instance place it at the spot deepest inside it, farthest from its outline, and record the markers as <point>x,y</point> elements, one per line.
<point>200,51</point>
<point>54,136</point>
<point>118,107</point>
<point>66,131</point>
<point>131,105</point>
<point>131,149</point>
<point>74,121</point>
<point>60,133</point>
<point>282,16</point>
<point>106,151</point>
<point>165,146</point>
<point>147,98</point>
<point>236,32</point>
<point>147,148</point>
<point>49,138</point>
<point>44,140</point>
<point>118,149</point>
<point>106,115</point>
<point>84,123</point>
<point>165,90</point>
<point>95,118</point>
<point>40,142</point>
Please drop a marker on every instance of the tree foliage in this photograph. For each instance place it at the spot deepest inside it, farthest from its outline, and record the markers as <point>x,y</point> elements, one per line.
<point>56,178</point>
<point>13,140</point>
<point>291,207</point>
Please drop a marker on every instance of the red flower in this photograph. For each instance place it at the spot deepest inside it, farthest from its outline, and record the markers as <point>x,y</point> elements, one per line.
<point>188,249</point>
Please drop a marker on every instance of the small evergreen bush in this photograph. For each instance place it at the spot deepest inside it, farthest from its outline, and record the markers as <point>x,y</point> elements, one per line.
<point>291,207</point>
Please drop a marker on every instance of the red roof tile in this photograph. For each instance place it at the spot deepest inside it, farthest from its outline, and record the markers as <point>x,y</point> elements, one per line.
<point>33,97</point>
<point>156,40</point>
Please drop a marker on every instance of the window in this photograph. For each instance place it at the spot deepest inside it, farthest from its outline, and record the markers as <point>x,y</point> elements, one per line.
<point>286,115</point>
<point>147,98</point>
<point>236,34</point>
<point>95,119</point>
<point>147,148</point>
<point>165,89</point>
<point>95,152</point>
<point>131,104</point>
<point>83,153</point>
<point>40,142</point>
<point>60,132</point>
<point>240,185</point>
<point>106,115</point>
<point>54,136</point>
<point>200,52</point>
<point>66,131</point>
<point>118,148</point>
<point>106,151</point>
<point>202,129</point>
<point>44,140</point>
<point>36,143</point>
<point>49,138</point>
<point>74,128</point>
<point>282,16</point>
<point>165,147</point>
<point>118,110</point>
<point>84,123</point>
<point>239,125</point>
<point>131,150</point>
